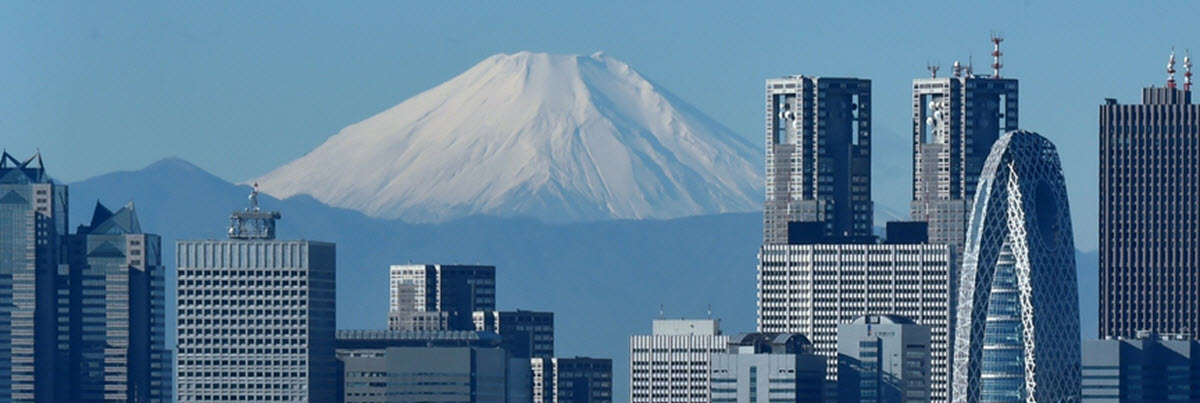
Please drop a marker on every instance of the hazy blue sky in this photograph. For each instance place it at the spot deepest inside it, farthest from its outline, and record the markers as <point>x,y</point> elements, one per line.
<point>242,88</point>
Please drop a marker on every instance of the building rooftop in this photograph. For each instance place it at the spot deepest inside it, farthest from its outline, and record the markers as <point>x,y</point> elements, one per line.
<point>687,327</point>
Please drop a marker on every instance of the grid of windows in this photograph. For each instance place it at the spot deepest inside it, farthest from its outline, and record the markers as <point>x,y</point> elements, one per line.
<point>673,367</point>
<point>810,289</point>
<point>818,146</point>
<point>255,320</point>
<point>1150,215</point>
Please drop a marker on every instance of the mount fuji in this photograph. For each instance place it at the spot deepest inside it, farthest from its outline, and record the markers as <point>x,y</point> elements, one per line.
<point>558,138</point>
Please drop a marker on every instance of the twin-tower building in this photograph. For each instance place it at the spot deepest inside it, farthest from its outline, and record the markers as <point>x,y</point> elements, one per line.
<point>987,262</point>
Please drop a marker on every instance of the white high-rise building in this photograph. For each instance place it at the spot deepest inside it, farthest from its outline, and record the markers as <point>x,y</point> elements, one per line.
<point>256,316</point>
<point>672,364</point>
<point>811,289</point>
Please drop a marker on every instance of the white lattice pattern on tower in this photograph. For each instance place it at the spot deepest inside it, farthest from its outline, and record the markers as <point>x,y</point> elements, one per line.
<point>1017,330</point>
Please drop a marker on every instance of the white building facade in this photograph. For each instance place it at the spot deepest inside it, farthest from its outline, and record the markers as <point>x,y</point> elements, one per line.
<point>673,363</point>
<point>256,316</point>
<point>811,289</point>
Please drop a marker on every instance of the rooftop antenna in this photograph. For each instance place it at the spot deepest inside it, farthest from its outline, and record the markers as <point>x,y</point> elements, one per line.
<point>1187,73</point>
<point>710,311</point>
<point>254,198</point>
<point>956,69</point>
<point>661,312</point>
<point>933,69</point>
<point>996,39</point>
<point>1171,69</point>
<point>970,66</point>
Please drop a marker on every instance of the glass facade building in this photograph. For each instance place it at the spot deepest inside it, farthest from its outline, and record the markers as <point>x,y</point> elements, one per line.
<point>34,337</point>
<point>118,311</point>
<point>1017,323</point>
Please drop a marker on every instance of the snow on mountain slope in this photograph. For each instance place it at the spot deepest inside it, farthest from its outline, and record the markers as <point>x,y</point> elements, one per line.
<point>561,138</point>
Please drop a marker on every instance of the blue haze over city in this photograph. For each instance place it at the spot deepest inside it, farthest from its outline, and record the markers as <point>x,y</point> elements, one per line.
<point>180,108</point>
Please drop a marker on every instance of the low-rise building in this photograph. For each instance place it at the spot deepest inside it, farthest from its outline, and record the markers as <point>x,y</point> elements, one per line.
<point>767,367</point>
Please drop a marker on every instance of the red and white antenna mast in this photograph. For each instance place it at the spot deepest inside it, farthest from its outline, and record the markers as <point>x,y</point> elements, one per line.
<point>1171,69</point>
<point>1187,72</point>
<point>996,39</point>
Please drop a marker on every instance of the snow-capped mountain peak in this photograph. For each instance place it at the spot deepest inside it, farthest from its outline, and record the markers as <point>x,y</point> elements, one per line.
<point>560,138</point>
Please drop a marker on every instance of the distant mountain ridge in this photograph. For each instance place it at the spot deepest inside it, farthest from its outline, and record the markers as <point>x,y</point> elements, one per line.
<point>559,138</point>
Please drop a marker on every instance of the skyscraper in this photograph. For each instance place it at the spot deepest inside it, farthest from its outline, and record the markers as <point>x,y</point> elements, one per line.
<point>118,311</point>
<point>672,363</point>
<point>1018,291</point>
<point>955,121</point>
<point>34,337</point>
<point>811,289</point>
<point>818,141</point>
<point>440,297</point>
<point>256,315</point>
<point>1149,213</point>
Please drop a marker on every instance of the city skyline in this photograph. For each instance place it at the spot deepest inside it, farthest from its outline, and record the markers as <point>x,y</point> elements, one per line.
<point>597,175</point>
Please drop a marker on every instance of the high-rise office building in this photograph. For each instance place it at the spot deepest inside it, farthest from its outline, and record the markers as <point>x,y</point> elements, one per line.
<point>526,334</point>
<point>1151,368</point>
<point>34,336</point>
<point>1149,214</point>
<point>883,358</point>
<point>955,121</point>
<point>579,379</point>
<point>1017,330</point>
<point>818,141</point>
<point>812,288</point>
<point>767,367</point>
<point>256,315</point>
<point>440,297</point>
<point>672,364</point>
<point>118,311</point>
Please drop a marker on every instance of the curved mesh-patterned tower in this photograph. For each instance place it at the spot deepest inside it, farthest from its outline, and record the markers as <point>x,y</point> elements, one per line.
<point>1017,330</point>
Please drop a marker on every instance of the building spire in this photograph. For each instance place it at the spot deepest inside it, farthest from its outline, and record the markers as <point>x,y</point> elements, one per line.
<point>1171,69</point>
<point>996,39</point>
<point>254,198</point>
<point>1187,70</point>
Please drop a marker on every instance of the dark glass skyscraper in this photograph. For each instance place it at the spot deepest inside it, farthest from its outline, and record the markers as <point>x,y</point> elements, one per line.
<point>1150,214</point>
<point>118,311</point>
<point>818,156</point>
<point>34,337</point>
